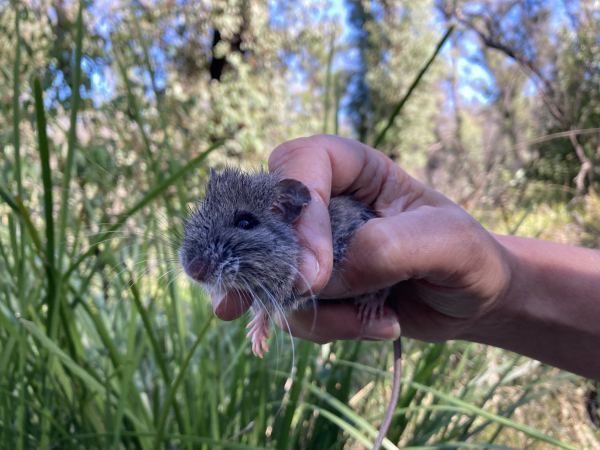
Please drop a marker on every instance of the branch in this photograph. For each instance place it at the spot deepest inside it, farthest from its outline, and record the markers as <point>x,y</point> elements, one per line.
<point>547,90</point>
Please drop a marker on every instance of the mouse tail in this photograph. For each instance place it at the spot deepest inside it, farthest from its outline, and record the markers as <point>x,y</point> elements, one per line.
<point>389,413</point>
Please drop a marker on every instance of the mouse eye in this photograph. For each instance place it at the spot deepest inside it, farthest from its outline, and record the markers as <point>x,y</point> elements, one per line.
<point>246,222</point>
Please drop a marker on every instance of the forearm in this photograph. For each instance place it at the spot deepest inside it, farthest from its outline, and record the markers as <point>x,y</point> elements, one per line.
<point>551,310</point>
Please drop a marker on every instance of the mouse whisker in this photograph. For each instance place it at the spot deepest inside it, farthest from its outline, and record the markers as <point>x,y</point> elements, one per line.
<point>239,293</point>
<point>137,255</point>
<point>313,297</point>
<point>129,284</point>
<point>257,299</point>
<point>167,273</point>
<point>139,274</point>
<point>279,310</point>
<point>253,294</point>
<point>133,230</point>
<point>166,287</point>
<point>237,269</point>
<point>221,267</point>
<point>116,238</point>
<point>281,313</point>
<point>168,224</point>
<point>125,234</point>
<point>126,267</point>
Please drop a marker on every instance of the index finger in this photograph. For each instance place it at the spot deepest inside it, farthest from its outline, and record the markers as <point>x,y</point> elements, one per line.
<point>327,165</point>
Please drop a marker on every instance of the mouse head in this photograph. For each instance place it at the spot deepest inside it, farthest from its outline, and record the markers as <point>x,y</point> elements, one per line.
<point>241,236</point>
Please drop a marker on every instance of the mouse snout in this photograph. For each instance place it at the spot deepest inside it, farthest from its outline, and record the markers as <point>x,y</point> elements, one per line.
<point>197,269</point>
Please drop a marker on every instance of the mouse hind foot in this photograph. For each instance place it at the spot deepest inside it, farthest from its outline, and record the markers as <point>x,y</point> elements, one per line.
<point>370,306</point>
<point>259,332</point>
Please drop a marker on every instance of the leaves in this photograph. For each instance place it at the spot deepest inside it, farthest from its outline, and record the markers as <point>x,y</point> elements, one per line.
<point>106,143</point>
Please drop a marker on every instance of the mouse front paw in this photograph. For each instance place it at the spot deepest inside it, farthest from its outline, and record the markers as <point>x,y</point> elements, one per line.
<point>259,332</point>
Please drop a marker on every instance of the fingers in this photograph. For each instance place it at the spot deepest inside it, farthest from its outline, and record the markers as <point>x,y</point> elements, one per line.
<point>428,243</point>
<point>456,264</point>
<point>330,322</point>
<point>327,165</point>
<point>231,305</point>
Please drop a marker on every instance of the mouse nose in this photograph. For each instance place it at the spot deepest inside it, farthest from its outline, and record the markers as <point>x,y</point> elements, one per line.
<point>197,269</point>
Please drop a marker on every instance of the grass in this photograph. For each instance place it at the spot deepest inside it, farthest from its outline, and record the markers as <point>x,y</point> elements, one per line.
<point>103,346</point>
<point>120,375</point>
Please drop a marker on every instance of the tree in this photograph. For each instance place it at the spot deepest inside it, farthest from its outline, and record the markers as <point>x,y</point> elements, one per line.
<point>394,40</point>
<point>561,61</point>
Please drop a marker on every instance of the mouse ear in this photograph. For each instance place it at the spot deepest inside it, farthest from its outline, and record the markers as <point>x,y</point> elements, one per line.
<point>292,195</point>
<point>213,177</point>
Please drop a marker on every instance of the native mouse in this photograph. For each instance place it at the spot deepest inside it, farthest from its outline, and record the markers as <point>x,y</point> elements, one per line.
<point>241,238</point>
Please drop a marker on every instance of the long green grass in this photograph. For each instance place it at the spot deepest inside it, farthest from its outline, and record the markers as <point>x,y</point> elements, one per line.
<point>104,346</point>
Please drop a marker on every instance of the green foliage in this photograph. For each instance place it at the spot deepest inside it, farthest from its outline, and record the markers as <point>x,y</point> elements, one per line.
<point>395,40</point>
<point>102,343</point>
<point>554,46</point>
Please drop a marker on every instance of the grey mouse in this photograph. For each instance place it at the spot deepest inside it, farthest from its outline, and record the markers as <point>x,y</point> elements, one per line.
<point>241,238</point>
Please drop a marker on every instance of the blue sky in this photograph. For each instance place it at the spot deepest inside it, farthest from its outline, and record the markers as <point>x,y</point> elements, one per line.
<point>472,76</point>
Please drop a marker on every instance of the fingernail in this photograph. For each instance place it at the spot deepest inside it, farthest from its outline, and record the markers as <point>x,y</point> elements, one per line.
<point>336,287</point>
<point>230,305</point>
<point>386,328</point>
<point>216,298</point>
<point>309,269</point>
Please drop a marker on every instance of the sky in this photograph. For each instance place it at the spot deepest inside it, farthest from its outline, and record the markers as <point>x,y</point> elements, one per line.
<point>473,79</point>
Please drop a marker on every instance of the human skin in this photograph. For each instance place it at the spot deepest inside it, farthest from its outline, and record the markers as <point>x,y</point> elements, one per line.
<point>451,278</point>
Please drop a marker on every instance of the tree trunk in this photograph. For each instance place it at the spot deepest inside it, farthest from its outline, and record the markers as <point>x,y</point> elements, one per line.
<point>586,167</point>
<point>598,144</point>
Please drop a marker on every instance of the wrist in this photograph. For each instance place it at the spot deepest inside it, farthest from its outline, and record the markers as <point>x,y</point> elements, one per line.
<point>493,325</point>
<point>551,307</point>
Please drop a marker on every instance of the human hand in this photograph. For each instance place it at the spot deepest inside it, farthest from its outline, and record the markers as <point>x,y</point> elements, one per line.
<point>445,269</point>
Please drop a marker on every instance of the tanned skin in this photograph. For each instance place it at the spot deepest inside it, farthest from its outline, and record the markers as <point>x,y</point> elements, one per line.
<point>452,278</point>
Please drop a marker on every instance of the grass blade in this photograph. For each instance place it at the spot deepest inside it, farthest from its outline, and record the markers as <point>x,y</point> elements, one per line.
<point>52,300</point>
<point>143,202</point>
<point>210,443</point>
<point>521,220</point>
<point>352,431</point>
<point>8,326</point>
<point>173,389</point>
<point>350,414</point>
<point>48,204</point>
<point>412,87</point>
<point>72,137</point>
<point>496,418</point>
<point>9,199</point>
<point>126,378</point>
<point>35,237</point>
<point>284,432</point>
<point>328,86</point>
<point>469,407</point>
<point>16,106</point>
<point>75,368</point>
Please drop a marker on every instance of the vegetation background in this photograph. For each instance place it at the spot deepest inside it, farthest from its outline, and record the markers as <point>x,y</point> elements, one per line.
<point>111,113</point>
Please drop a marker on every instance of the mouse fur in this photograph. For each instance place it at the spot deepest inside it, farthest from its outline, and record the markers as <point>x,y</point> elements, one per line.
<point>241,237</point>
<point>263,259</point>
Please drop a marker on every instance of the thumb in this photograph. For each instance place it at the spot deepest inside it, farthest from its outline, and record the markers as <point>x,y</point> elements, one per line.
<point>429,243</point>
<point>230,305</point>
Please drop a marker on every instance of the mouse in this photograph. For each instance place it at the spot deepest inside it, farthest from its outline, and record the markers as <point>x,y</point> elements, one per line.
<point>241,237</point>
